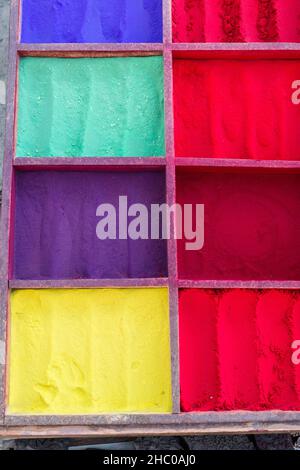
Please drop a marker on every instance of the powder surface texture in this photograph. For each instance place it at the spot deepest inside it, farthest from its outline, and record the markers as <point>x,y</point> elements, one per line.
<point>236,109</point>
<point>94,107</point>
<point>251,227</point>
<point>89,351</point>
<point>55,225</point>
<point>105,21</point>
<point>235,350</point>
<point>236,20</point>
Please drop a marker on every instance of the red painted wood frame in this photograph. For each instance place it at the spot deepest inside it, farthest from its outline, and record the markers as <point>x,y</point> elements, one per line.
<point>129,424</point>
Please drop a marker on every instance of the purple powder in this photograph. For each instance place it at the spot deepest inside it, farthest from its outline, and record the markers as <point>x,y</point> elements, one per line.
<point>91,21</point>
<point>55,225</point>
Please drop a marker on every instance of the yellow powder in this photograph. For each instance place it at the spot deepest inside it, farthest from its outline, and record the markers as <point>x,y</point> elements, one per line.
<point>89,351</point>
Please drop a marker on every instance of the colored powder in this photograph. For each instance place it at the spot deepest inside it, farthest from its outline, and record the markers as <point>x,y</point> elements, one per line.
<point>251,228</point>
<point>236,21</point>
<point>220,109</point>
<point>275,367</point>
<point>243,337</point>
<point>55,225</point>
<point>236,331</point>
<point>89,351</point>
<point>198,363</point>
<point>105,21</point>
<point>107,107</point>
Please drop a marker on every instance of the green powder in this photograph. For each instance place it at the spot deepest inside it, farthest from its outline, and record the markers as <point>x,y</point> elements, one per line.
<point>91,107</point>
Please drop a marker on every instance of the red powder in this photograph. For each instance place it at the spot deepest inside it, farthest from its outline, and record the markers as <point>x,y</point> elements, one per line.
<point>244,338</point>
<point>266,24</point>
<point>236,20</point>
<point>295,319</point>
<point>236,346</point>
<point>188,24</point>
<point>198,328</point>
<point>236,109</point>
<point>275,367</point>
<point>251,230</point>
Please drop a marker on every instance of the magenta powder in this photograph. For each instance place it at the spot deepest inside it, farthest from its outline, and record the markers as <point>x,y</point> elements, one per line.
<point>252,229</point>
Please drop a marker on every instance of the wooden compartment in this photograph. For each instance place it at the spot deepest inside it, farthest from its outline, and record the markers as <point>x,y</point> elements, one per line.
<point>286,162</point>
